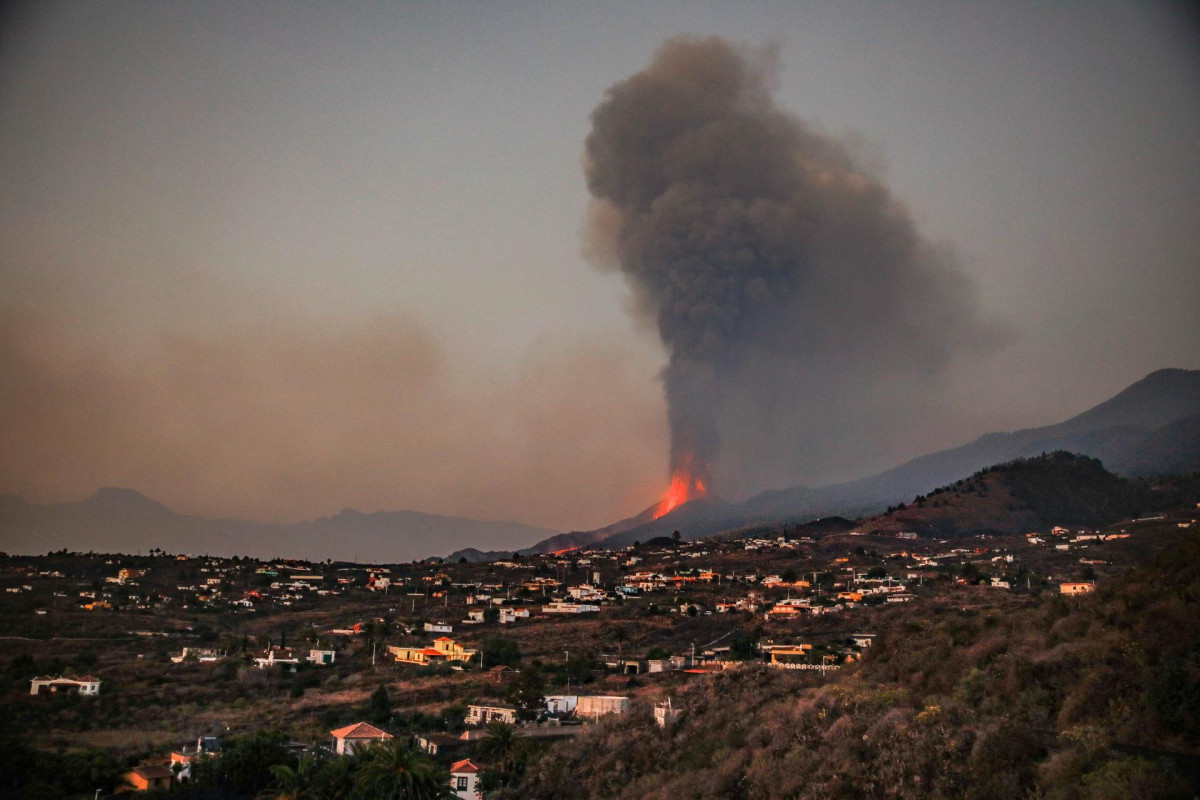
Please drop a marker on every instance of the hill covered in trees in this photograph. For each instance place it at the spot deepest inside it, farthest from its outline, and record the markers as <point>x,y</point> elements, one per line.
<point>1057,488</point>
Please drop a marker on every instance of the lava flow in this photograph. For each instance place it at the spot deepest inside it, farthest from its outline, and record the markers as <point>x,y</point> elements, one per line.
<point>684,487</point>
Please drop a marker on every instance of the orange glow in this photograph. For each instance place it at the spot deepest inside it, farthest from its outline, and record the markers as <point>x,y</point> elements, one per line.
<point>684,487</point>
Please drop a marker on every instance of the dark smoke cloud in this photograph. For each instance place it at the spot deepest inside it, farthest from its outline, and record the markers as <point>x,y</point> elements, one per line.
<point>804,314</point>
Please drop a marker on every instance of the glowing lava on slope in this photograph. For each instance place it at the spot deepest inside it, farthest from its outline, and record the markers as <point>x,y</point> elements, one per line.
<point>685,486</point>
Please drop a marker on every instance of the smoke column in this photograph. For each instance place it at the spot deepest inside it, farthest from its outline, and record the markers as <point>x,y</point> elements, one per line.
<point>802,311</point>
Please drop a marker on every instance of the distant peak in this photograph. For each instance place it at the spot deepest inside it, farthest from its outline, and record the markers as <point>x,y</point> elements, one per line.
<point>118,497</point>
<point>118,493</point>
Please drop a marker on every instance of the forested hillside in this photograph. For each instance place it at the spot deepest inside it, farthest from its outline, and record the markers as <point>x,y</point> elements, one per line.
<point>1071,699</point>
<point>1052,489</point>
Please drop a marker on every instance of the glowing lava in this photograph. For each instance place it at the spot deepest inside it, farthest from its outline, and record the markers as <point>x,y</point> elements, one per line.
<point>684,487</point>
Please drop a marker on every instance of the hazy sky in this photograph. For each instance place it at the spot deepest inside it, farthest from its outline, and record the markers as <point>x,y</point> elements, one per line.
<point>275,259</point>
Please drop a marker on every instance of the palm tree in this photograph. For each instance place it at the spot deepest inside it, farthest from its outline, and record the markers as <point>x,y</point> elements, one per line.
<point>335,780</point>
<point>502,744</point>
<point>393,770</point>
<point>288,783</point>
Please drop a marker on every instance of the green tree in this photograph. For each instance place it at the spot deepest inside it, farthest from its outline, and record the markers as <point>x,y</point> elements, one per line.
<point>379,706</point>
<point>290,784</point>
<point>527,691</point>
<point>394,770</point>
<point>498,650</point>
<point>500,744</point>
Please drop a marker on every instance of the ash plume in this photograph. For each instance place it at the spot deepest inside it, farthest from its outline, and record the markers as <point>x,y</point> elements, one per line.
<point>804,315</point>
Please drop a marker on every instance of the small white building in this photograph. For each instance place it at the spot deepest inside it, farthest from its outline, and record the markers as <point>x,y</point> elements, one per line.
<point>321,658</point>
<point>511,615</point>
<point>438,627</point>
<point>664,714</point>
<point>202,654</point>
<point>561,703</point>
<point>559,607</point>
<point>65,684</point>
<point>482,715</point>
<point>464,780</point>
<point>347,740</point>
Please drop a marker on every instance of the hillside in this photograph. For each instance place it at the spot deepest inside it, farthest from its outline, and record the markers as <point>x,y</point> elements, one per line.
<point>1036,493</point>
<point>1076,699</point>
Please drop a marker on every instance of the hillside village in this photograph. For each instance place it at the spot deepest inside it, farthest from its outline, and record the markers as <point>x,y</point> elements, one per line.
<point>148,662</point>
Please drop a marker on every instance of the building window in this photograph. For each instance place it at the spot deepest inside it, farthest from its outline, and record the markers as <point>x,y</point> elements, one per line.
<point>461,786</point>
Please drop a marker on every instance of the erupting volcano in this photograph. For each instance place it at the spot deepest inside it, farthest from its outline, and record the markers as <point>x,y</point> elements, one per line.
<point>686,485</point>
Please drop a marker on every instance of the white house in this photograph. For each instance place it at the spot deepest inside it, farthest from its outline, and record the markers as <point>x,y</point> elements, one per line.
<point>561,703</point>
<point>202,654</point>
<point>438,627</point>
<point>464,780</point>
<point>511,615</point>
<point>322,658</point>
<point>282,656</point>
<point>585,592</point>
<point>352,737</point>
<point>482,715</point>
<point>559,607</point>
<point>85,685</point>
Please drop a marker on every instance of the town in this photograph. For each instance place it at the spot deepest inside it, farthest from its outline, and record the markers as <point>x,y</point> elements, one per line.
<point>165,663</point>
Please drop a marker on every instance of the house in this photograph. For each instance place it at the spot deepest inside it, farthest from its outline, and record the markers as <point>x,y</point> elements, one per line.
<point>863,639</point>
<point>206,747</point>
<point>464,780</point>
<point>498,673</point>
<point>1076,588</point>
<point>438,627</point>
<point>441,651</point>
<point>559,607</point>
<point>786,654</point>
<point>347,740</point>
<point>664,714</point>
<point>65,684</point>
<point>321,658</point>
<point>148,778</point>
<point>561,703</point>
<point>202,654</point>
<point>598,705</point>
<point>586,592</point>
<point>438,743</point>
<point>482,715</point>
<point>511,615</point>
<point>276,655</point>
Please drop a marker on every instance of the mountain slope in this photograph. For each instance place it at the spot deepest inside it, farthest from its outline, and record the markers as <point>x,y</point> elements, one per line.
<point>1142,430</point>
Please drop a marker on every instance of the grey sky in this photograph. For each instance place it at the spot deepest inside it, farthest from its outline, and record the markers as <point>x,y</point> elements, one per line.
<point>261,181</point>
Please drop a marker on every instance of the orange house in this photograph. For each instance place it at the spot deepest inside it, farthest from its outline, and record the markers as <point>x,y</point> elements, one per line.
<point>147,778</point>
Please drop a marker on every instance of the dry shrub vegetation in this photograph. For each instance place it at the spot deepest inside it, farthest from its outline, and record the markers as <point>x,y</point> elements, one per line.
<point>1096,697</point>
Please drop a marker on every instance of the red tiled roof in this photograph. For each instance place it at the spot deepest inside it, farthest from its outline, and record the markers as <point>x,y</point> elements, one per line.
<point>464,766</point>
<point>443,639</point>
<point>360,730</point>
<point>429,651</point>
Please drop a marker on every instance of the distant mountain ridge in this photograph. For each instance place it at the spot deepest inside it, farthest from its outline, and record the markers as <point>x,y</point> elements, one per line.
<point>124,520</point>
<point>1151,426</point>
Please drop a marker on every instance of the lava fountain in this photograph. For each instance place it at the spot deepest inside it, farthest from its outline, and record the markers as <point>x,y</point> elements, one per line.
<point>687,484</point>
